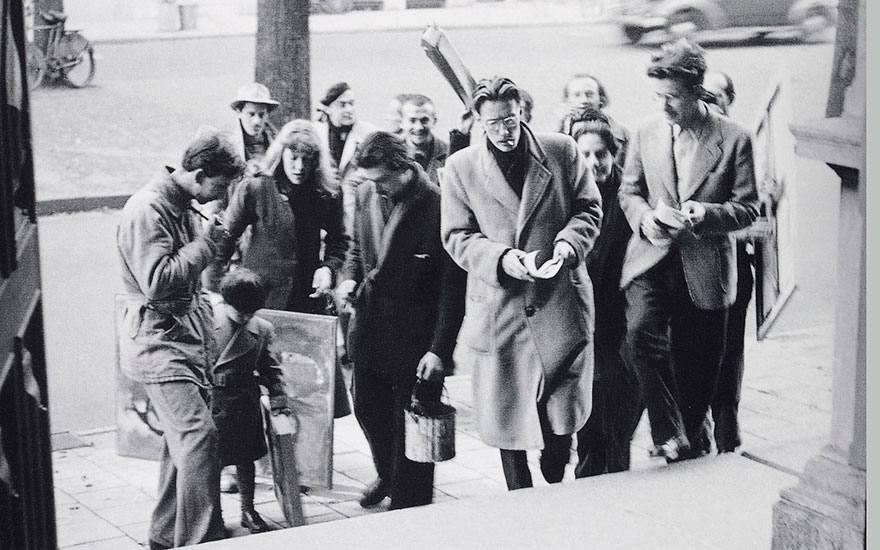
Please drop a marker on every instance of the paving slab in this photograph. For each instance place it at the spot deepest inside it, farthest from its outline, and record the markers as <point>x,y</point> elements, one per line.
<point>113,497</point>
<point>118,543</point>
<point>77,524</point>
<point>126,514</point>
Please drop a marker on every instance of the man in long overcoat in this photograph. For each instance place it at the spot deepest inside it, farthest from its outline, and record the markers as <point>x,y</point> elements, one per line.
<point>167,339</point>
<point>528,341</point>
<point>407,311</point>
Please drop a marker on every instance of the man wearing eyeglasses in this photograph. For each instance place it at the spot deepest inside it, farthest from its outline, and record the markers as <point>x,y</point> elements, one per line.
<point>689,182</point>
<point>527,339</point>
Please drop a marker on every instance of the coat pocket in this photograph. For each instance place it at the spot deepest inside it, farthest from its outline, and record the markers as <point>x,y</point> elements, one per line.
<point>476,329</point>
<point>153,324</point>
<point>723,253</point>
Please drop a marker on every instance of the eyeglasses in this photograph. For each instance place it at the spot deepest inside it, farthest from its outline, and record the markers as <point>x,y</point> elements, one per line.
<point>509,122</point>
<point>659,96</point>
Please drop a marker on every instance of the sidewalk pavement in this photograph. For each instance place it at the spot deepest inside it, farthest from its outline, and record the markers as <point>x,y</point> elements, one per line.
<point>103,501</point>
<point>216,23</point>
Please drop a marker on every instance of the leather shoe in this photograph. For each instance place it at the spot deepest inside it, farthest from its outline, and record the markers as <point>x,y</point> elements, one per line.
<point>375,493</point>
<point>158,546</point>
<point>727,437</point>
<point>252,521</point>
<point>671,449</point>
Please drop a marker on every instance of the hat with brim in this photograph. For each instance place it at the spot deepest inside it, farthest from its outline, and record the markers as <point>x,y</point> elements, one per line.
<point>253,93</point>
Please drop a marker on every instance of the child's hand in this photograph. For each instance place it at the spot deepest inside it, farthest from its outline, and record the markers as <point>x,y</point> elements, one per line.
<point>278,405</point>
<point>322,281</point>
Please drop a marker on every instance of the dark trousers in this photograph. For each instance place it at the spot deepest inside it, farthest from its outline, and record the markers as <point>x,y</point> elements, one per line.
<point>675,348</point>
<point>603,444</point>
<point>246,474</point>
<point>554,457</point>
<point>725,404</point>
<point>379,403</point>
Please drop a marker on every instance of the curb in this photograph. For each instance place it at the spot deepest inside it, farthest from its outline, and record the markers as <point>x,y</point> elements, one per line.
<point>171,37</point>
<point>80,204</point>
<point>347,29</point>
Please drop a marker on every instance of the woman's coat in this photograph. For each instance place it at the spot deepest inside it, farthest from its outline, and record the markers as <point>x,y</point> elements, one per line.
<point>284,242</point>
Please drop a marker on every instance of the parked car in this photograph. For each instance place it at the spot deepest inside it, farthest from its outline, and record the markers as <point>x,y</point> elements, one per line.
<point>343,6</point>
<point>683,17</point>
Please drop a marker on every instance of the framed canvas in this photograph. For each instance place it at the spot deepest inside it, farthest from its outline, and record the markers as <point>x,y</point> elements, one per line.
<point>773,232</point>
<point>305,345</point>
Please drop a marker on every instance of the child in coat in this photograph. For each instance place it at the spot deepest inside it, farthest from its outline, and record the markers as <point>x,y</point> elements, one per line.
<point>245,361</point>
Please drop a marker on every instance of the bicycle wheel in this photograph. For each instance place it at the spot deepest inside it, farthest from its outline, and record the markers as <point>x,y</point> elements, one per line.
<point>36,66</point>
<point>82,72</point>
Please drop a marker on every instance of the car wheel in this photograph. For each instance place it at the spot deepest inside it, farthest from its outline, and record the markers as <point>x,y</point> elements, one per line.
<point>686,22</point>
<point>816,20</point>
<point>335,6</point>
<point>633,34</point>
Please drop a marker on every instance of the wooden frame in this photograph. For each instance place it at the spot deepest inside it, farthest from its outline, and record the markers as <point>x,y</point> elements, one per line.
<point>773,147</point>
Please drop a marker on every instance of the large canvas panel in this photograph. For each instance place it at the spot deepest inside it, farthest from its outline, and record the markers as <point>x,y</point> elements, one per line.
<point>306,348</point>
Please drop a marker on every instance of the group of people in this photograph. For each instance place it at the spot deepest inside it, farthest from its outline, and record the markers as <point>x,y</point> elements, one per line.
<point>581,276</point>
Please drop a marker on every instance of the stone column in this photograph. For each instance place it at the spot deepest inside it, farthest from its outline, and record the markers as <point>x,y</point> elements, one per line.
<point>826,509</point>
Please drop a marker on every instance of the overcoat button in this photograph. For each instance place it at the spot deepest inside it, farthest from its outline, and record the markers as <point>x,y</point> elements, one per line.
<point>530,311</point>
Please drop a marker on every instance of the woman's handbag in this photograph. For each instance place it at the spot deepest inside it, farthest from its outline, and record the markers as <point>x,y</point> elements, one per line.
<point>429,429</point>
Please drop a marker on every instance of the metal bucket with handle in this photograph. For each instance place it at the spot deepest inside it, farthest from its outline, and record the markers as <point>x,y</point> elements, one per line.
<point>429,429</point>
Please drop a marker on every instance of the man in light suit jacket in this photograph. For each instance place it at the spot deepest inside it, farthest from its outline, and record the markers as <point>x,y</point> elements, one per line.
<point>680,279</point>
<point>528,340</point>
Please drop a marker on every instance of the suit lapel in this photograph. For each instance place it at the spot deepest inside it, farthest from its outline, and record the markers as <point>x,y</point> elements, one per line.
<point>536,182</point>
<point>705,157</point>
<point>495,182</point>
<point>377,220</point>
<point>438,160</point>
<point>392,232</point>
<point>351,143</point>
<point>238,140</point>
<point>323,129</point>
<point>665,160</point>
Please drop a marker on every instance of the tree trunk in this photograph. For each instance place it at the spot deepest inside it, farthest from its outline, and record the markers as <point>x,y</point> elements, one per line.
<point>283,61</point>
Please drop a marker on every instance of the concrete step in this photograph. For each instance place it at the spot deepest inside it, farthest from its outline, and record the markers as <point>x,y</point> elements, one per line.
<point>722,502</point>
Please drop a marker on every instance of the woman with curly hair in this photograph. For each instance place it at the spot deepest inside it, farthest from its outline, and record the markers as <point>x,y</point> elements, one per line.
<point>276,216</point>
<point>604,441</point>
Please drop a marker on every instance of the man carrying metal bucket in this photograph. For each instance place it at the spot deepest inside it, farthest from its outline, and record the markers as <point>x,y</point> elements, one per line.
<point>407,311</point>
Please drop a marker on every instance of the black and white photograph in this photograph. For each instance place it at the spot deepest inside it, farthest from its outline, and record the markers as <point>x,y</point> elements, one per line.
<point>434,274</point>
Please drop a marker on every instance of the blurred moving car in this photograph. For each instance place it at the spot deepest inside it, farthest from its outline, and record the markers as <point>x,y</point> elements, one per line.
<point>760,17</point>
<point>343,6</point>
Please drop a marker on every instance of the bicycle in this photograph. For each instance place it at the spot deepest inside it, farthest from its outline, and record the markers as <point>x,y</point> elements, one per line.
<point>69,55</point>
